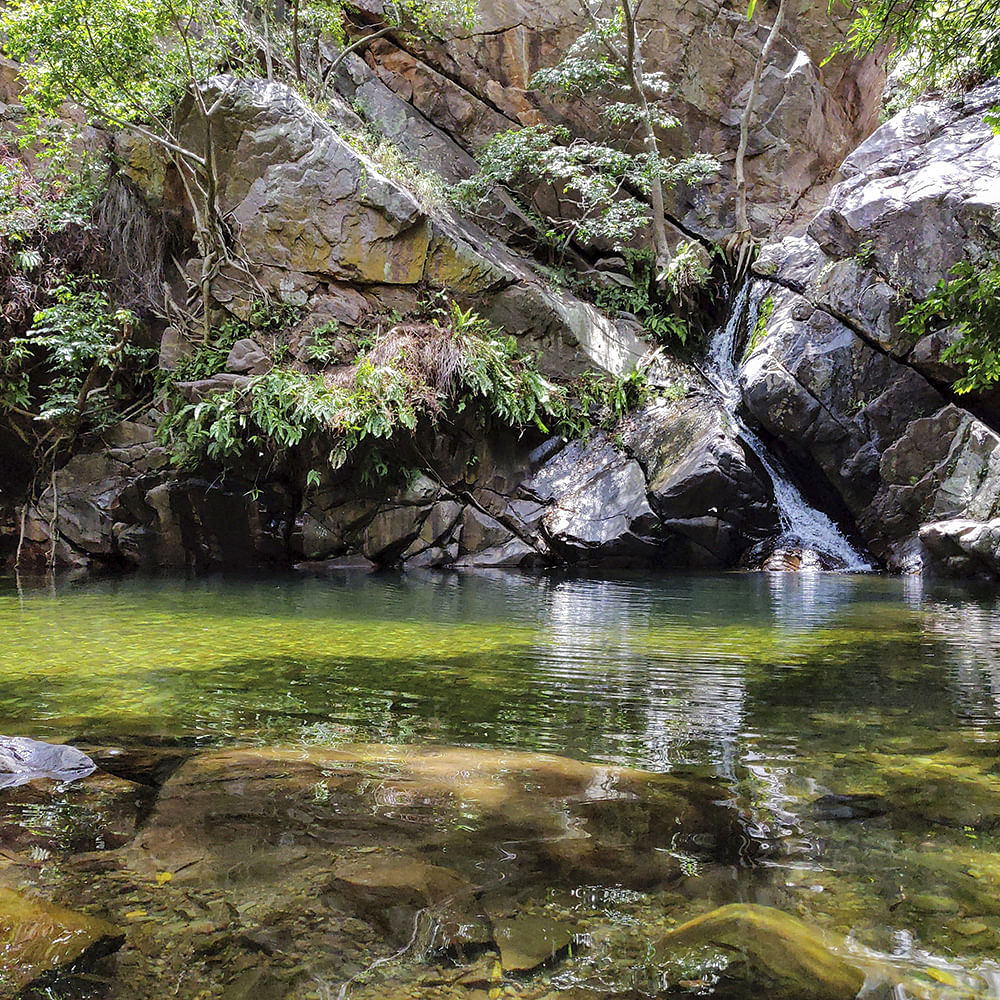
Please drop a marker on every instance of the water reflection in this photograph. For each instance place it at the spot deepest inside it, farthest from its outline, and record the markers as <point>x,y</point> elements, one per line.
<point>849,724</point>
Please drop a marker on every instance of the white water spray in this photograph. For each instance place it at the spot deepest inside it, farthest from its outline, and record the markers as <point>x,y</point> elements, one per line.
<point>802,525</point>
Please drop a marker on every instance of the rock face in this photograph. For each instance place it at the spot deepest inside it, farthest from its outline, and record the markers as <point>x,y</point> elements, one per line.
<point>834,380</point>
<point>809,116</point>
<point>674,489</point>
<point>326,228</point>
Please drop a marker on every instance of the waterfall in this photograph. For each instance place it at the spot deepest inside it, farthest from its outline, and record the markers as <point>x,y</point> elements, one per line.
<point>802,524</point>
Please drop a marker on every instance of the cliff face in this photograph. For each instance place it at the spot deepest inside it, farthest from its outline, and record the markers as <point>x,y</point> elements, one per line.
<point>868,420</point>
<point>811,115</point>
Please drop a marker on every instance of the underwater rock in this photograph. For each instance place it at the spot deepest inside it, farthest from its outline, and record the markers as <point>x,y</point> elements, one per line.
<point>97,813</point>
<point>528,941</point>
<point>782,956</point>
<point>347,854</point>
<point>845,807</point>
<point>389,888</point>
<point>299,803</point>
<point>144,765</point>
<point>38,938</point>
<point>22,760</point>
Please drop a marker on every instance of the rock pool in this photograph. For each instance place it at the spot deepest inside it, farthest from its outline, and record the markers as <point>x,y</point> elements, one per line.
<point>744,785</point>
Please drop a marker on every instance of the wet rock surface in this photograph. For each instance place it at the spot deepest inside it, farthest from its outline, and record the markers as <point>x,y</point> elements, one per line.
<point>776,953</point>
<point>23,760</point>
<point>251,860</point>
<point>40,939</point>
<point>673,488</point>
<point>834,381</point>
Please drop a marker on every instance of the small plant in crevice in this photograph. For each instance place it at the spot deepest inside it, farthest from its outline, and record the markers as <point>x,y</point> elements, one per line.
<point>642,299</point>
<point>969,301</point>
<point>428,188</point>
<point>759,332</point>
<point>264,321</point>
<point>865,254</point>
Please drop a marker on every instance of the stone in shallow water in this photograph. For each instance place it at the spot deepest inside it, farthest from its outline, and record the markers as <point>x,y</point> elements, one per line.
<point>389,888</point>
<point>766,948</point>
<point>847,807</point>
<point>22,760</point>
<point>97,813</point>
<point>331,854</point>
<point>526,942</point>
<point>38,938</point>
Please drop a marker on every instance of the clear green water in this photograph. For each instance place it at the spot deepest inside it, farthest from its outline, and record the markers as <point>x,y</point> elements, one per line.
<point>783,688</point>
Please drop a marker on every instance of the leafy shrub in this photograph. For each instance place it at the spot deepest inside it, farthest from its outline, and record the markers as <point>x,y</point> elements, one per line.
<point>75,364</point>
<point>643,300</point>
<point>970,301</point>
<point>415,372</point>
<point>689,271</point>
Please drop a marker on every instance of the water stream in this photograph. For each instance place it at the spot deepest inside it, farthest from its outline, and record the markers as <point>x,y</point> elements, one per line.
<point>803,525</point>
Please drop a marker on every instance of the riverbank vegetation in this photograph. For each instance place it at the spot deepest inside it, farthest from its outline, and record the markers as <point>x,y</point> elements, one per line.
<point>417,374</point>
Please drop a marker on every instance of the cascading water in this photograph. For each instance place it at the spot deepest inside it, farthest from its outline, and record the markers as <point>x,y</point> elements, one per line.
<point>802,525</point>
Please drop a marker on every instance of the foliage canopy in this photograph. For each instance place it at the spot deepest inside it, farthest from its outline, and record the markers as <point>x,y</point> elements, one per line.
<point>938,43</point>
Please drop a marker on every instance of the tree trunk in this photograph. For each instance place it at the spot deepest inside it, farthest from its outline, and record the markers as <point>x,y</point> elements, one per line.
<point>296,43</point>
<point>742,220</point>
<point>634,68</point>
<point>268,55</point>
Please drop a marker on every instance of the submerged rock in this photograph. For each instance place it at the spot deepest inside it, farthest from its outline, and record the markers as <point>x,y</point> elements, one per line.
<point>348,855</point>
<point>97,813</point>
<point>23,760</point>
<point>776,953</point>
<point>526,942</point>
<point>847,807</point>
<point>39,938</point>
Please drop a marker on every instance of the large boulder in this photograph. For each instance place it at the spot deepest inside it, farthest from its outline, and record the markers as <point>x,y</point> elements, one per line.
<point>677,490</point>
<point>325,227</point>
<point>830,375</point>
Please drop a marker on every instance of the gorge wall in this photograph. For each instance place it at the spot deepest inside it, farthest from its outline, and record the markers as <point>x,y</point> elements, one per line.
<point>866,420</point>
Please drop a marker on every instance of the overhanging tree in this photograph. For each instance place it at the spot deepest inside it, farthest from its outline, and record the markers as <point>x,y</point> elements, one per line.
<point>127,64</point>
<point>937,43</point>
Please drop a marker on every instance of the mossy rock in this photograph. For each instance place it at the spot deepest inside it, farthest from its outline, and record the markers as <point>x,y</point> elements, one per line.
<point>39,938</point>
<point>777,954</point>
